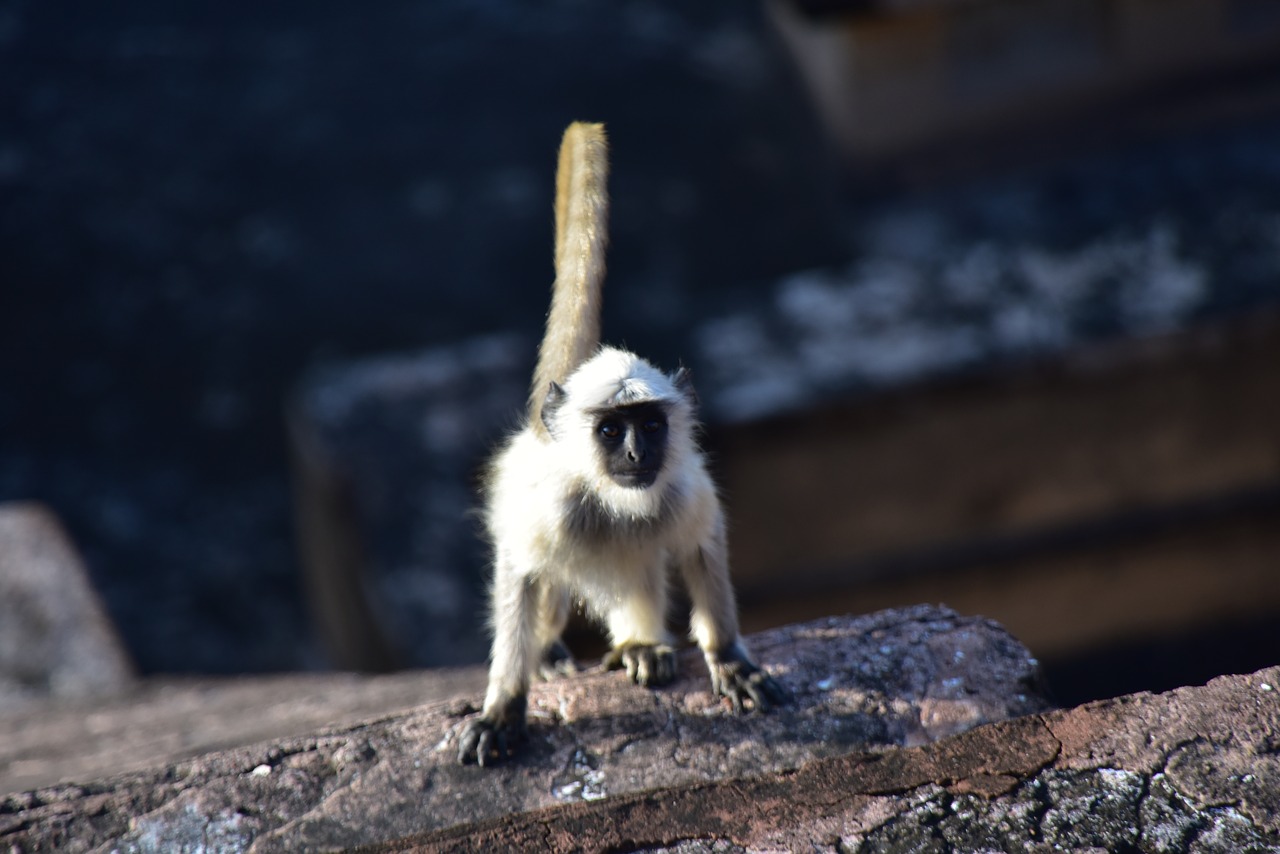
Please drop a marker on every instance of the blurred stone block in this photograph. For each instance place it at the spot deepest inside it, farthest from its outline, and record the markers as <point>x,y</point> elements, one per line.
<point>167,719</point>
<point>1131,462</point>
<point>56,639</point>
<point>385,454</point>
<point>889,75</point>
<point>1124,490</point>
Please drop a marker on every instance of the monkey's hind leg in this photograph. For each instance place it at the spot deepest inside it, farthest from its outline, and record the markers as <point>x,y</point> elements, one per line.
<point>650,664</point>
<point>553,614</point>
<point>637,628</point>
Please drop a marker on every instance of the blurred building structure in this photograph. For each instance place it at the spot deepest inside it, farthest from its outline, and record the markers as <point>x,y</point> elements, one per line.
<point>892,77</point>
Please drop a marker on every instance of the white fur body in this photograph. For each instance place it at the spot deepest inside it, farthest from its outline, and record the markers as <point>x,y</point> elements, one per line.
<point>620,577</point>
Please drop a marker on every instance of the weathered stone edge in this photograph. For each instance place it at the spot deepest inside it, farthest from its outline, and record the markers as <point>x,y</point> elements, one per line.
<point>988,762</point>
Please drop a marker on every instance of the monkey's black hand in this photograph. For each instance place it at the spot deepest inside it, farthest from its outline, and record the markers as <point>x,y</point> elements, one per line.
<point>648,664</point>
<point>735,676</point>
<point>494,734</point>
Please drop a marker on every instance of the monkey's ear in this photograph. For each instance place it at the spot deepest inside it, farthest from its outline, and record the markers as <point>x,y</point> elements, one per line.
<point>683,380</point>
<point>553,401</point>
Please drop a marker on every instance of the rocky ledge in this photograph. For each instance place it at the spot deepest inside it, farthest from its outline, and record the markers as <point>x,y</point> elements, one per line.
<point>1192,770</point>
<point>913,729</point>
<point>904,677</point>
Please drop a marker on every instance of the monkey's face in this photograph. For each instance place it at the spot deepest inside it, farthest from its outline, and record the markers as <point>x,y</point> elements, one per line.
<point>633,443</point>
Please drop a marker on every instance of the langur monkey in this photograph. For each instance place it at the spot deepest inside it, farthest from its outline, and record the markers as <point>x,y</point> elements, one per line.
<point>599,495</point>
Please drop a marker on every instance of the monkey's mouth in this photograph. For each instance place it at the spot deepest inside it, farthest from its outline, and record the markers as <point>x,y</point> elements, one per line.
<point>636,478</point>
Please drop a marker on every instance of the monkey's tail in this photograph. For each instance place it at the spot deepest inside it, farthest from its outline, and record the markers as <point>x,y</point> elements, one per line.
<point>582,233</point>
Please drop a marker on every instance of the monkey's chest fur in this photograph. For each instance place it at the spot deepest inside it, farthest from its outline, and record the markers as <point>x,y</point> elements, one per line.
<point>588,522</point>
<point>582,532</point>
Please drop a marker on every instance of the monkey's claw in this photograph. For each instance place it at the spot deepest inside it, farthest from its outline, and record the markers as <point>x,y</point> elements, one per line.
<point>733,675</point>
<point>493,736</point>
<point>648,664</point>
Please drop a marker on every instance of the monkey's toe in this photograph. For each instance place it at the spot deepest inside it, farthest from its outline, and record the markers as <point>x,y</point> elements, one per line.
<point>651,665</point>
<point>736,677</point>
<point>494,735</point>
<point>485,743</point>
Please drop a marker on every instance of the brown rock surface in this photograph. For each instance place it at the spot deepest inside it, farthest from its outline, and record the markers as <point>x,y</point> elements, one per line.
<point>871,683</point>
<point>1195,769</point>
<point>163,720</point>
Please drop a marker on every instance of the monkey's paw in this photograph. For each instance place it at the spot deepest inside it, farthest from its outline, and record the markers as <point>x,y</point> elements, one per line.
<point>735,676</point>
<point>494,734</point>
<point>557,661</point>
<point>648,664</point>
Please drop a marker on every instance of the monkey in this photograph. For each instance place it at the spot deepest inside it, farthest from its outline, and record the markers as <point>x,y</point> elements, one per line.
<point>598,496</point>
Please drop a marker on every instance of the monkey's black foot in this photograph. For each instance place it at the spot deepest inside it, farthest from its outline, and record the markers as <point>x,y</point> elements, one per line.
<point>557,661</point>
<point>735,676</point>
<point>494,734</point>
<point>649,664</point>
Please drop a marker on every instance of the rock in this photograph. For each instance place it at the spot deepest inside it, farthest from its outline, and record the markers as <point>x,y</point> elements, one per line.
<point>55,637</point>
<point>867,684</point>
<point>1195,769</point>
<point>164,720</point>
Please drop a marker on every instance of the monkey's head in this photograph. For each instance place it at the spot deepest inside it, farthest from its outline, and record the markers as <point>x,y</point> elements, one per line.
<point>622,422</point>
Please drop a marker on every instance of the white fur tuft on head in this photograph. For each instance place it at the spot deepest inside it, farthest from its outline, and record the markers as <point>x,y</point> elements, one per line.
<point>614,377</point>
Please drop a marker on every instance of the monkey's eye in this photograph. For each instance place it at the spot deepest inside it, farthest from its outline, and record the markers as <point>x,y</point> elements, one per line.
<point>610,429</point>
<point>653,425</point>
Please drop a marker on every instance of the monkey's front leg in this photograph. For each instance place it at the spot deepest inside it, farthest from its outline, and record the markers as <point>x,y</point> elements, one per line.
<point>501,726</point>
<point>637,627</point>
<point>715,626</point>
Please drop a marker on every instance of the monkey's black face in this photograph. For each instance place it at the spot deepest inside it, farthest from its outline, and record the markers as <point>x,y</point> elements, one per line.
<point>633,443</point>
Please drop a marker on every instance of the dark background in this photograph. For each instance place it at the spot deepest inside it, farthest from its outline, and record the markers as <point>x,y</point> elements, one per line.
<point>200,202</point>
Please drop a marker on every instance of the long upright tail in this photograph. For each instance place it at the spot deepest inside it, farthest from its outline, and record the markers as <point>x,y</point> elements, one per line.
<point>582,233</point>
